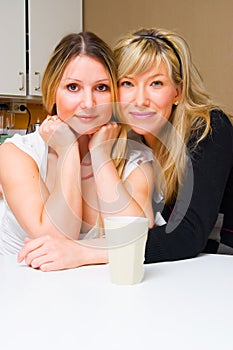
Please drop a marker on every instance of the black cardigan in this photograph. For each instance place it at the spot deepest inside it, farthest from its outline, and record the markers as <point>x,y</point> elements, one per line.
<point>210,191</point>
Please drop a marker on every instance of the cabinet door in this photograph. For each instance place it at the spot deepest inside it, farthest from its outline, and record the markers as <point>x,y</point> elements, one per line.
<point>49,21</point>
<point>12,56</point>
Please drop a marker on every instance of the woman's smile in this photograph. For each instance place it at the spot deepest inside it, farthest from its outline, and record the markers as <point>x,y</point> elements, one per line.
<point>86,118</point>
<point>142,115</point>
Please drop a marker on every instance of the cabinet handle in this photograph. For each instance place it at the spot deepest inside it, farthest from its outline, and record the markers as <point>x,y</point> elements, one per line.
<point>37,88</point>
<point>22,85</point>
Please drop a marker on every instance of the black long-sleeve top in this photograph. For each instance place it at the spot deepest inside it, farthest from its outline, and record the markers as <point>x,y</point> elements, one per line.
<point>208,189</point>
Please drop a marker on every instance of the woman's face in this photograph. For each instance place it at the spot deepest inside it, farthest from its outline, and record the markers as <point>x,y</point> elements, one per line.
<point>83,97</point>
<point>147,99</point>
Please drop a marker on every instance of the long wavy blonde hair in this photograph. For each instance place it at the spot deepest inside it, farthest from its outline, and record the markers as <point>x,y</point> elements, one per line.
<point>135,53</point>
<point>70,46</point>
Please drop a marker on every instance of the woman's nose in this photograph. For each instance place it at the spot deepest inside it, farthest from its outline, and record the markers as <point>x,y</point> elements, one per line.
<point>141,98</point>
<point>88,100</point>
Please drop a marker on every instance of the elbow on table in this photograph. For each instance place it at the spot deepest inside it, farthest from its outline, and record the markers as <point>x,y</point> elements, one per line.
<point>162,246</point>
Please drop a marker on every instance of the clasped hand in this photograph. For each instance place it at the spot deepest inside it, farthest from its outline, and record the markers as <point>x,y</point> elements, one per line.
<point>57,134</point>
<point>104,139</point>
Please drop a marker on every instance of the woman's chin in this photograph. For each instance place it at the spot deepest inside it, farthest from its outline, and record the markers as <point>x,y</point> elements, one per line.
<point>140,131</point>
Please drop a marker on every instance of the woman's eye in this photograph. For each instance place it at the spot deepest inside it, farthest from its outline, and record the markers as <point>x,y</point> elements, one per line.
<point>156,83</point>
<point>126,83</point>
<point>72,87</point>
<point>103,87</point>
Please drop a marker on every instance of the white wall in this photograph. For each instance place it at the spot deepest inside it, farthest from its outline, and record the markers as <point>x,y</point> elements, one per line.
<point>207,25</point>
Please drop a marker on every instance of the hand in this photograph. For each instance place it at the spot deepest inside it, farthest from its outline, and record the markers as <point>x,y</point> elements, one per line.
<point>104,138</point>
<point>56,133</point>
<point>49,253</point>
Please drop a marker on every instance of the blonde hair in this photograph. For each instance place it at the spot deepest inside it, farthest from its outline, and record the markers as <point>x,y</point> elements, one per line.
<point>134,54</point>
<point>70,46</point>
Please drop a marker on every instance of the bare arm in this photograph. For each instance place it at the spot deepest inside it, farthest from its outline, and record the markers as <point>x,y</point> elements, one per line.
<point>58,253</point>
<point>54,253</point>
<point>38,211</point>
<point>64,204</point>
<point>132,197</point>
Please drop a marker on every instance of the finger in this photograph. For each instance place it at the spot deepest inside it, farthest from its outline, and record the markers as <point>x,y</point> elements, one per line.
<point>31,258</point>
<point>51,266</point>
<point>46,262</point>
<point>29,246</point>
<point>113,131</point>
<point>49,122</point>
<point>21,254</point>
<point>107,128</point>
<point>42,260</point>
<point>52,118</point>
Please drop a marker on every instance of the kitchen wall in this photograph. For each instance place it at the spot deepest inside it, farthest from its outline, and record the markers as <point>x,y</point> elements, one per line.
<point>37,114</point>
<point>21,119</point>
<point>207,26</point>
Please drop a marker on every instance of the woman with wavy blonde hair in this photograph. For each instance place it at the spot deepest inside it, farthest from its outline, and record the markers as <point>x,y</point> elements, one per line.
<point>162,98</point>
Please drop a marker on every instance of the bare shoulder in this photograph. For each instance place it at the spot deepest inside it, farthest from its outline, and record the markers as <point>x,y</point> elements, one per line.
<point>15,161</point>
<point>142,174</point>
<point>9,151</point>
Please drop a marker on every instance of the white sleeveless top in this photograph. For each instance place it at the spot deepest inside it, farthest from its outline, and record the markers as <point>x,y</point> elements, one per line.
<point>11,234</point>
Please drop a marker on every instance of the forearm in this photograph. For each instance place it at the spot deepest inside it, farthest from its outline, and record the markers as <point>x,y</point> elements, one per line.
<point>180,244</point>
<point>131,197</point>
<point>63,207</point>
<point>113,195</point>
<point>91,252</point>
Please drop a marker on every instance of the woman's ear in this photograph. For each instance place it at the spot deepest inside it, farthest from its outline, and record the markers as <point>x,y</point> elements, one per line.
<point>178,93</point>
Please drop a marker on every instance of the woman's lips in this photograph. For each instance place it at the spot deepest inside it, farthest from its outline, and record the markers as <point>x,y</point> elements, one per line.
<point>142,115</point>
<point>86,118</point>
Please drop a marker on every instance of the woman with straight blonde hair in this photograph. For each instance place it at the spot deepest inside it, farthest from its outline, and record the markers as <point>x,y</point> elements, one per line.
<point>92,171</point>
<point>162,98</point>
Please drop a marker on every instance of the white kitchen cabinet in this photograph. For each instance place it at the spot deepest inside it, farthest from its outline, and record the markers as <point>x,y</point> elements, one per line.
<point>29,31</point>
<point>13,48</point>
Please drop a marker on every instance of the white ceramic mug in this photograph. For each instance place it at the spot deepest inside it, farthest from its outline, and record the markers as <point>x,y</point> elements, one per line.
<point>126,239</point>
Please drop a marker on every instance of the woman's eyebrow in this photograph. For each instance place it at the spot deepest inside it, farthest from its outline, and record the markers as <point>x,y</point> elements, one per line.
<point>149,77</point>
<point>78,80</point>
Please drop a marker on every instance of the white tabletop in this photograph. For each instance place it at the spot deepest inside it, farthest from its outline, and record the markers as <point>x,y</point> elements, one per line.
<point>183,305</point>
